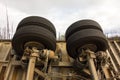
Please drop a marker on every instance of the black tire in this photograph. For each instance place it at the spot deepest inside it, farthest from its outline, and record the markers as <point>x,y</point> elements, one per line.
<point>86,36</point>
<point>33,33</point>
<point>36,20</point>
<point>79,65</point>
<point>82,24</point>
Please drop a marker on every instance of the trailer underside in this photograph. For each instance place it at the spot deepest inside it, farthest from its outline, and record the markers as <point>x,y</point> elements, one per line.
<point>63,68</point>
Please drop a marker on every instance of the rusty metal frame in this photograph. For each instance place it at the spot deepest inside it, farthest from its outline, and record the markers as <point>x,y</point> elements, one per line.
<point>11,64</point>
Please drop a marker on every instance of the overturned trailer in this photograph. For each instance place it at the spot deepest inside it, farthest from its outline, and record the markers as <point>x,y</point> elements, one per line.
<point>34,53</point>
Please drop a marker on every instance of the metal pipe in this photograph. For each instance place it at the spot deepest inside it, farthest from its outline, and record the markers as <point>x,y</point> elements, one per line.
<point>107,73</point>
<point>112,61</point>
<point>31,67</point>
<point>92,67</point>
<point>115,55</point>
<point>9,67</point>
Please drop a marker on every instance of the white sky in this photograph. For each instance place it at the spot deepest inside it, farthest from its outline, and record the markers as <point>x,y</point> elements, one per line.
<point>62,13</point>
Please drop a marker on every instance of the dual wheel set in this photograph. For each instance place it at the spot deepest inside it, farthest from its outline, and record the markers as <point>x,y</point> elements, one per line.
<point>80,35</point>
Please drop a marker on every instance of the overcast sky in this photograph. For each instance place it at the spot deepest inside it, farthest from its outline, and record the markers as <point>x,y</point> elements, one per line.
<point>62,13</point>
